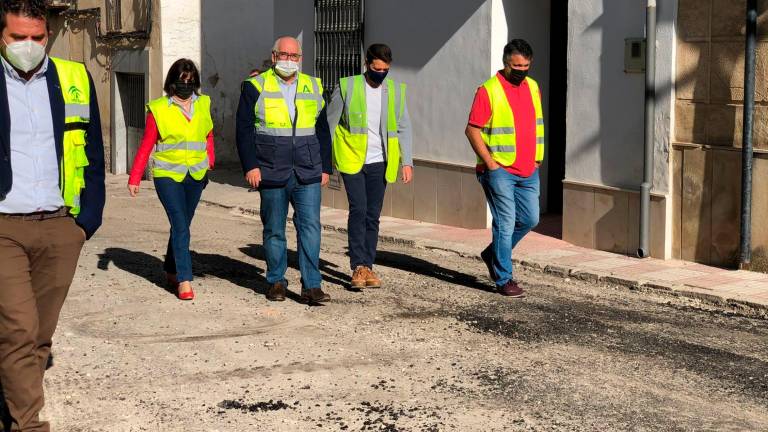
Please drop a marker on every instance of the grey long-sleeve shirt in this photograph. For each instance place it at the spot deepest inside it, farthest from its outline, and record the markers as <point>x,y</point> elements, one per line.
<point>404,130</point>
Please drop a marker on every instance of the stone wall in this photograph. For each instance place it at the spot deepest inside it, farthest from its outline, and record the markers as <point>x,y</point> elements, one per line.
<point>706,159</point>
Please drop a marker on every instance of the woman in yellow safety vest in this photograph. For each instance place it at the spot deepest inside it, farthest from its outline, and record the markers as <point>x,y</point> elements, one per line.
<point>180,129</point>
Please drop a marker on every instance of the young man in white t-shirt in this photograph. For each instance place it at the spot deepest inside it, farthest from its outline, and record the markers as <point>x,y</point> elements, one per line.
<point>371,139</point>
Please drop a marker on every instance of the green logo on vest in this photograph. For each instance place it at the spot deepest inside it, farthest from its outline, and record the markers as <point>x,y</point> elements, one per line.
<point>75,94</point>
<point>306,89</point>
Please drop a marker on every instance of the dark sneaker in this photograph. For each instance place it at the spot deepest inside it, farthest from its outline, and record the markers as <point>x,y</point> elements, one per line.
<point>314,296</point>
<point>510,289</point>
<point>277,291</point>
<point>487,256</point>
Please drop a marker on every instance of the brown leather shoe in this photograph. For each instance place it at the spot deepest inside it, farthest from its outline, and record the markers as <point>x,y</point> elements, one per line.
<point>314,296</point>
<point>371,280</point>
<point>277,291</point>
<point>511,289</point>
<point>358,277</point>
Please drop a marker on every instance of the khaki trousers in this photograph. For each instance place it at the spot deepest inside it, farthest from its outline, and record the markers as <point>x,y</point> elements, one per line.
<point>38,259</point>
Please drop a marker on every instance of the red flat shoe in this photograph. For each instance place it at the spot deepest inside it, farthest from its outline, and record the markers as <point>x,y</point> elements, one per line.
<point>189,295</point>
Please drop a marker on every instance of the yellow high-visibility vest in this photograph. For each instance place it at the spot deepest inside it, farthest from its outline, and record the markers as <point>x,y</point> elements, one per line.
<point>350,139</point>
<point>76,90</point>
<point>499,132</point>
<point>182,144</point>
<point>272,116</point>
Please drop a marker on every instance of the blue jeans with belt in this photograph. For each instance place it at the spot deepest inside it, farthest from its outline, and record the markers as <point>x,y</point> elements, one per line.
<point>514,204</point>
<point>180,200</point>
<point>305,199</point>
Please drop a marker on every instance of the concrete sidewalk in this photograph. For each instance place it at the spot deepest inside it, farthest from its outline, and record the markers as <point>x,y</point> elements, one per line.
<point>743,290</point>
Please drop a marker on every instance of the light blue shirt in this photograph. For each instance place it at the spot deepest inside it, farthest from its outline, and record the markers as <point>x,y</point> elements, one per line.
<point>191,113</point>
<point>33,146</point>
<point>289,94</point>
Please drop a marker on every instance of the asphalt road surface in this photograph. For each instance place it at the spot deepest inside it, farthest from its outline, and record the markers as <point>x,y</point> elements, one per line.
<point>433,350</point>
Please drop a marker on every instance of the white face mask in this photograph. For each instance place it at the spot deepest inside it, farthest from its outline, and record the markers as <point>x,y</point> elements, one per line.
<point>286,68</point>
<point>25,55</point>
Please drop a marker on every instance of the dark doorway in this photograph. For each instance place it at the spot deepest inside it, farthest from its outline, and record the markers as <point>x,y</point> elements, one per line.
<point>558,87</point>
<point>130,87</point>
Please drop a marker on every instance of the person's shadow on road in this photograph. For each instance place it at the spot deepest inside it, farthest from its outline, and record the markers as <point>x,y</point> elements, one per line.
<point>328,269</point>
<point>150,268</point>
<point>411,264</point>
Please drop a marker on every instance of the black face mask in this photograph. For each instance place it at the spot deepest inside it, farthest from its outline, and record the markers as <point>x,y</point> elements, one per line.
<point>377,77</point>
<point>183,90</point>
<point>516,76</point>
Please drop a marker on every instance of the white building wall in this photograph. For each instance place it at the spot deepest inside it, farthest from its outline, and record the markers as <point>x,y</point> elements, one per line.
<point>605,104</point>
<point>181,31</point>
<point>237,37</point>
<point>442,64</point>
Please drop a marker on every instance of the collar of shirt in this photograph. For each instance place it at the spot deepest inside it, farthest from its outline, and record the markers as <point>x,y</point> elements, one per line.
<point>172,101</point>
<point>285,83</point>
<point>12,73</point>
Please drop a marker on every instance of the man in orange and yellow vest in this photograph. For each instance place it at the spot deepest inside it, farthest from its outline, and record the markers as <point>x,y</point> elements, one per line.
<point>506,131</point>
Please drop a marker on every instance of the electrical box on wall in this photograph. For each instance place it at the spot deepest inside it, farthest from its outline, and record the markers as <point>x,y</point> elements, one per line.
<point>634,55</point>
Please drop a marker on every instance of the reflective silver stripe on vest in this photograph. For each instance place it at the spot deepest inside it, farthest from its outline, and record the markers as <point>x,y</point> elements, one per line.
<point>397,102</point>
<point>77,110</point>
<point>260,104</point>
<point>282,132</point>
<point>502,149</point>
<point>539,122</point>
<point>272,95</point>
<point>539,140</point>
<point>76,200</point>
<point>316,94</point>
<point>499,131</point>
<point>358,130</point>
<point>181,168</point>
<point>305,132</point>
<point>190,145</point>
<point>348,98</point>
<point>260,79</point>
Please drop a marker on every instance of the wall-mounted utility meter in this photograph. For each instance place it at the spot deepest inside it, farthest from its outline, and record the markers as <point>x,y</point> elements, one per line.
<point>634,55</point>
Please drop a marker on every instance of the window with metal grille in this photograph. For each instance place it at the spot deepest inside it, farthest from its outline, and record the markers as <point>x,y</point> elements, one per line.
<point>338,40</point>
<point>131,88</point>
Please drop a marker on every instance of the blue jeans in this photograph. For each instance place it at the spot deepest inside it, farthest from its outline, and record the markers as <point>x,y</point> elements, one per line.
<point>365,193</point>
<point>305,199</point>
<point>514,204</point>
<point>180,200</point>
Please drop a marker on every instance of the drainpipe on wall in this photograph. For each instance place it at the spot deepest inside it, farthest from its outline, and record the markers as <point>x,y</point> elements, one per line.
<point>650,125</point>
<point>745,257</point>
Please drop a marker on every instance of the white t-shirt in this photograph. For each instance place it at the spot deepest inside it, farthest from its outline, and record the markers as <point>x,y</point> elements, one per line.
<point>375,149</point>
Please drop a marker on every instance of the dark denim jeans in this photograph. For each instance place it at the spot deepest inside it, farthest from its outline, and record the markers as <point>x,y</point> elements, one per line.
<point>514,204</point>
<point>305,199</point>
<point>365,193</point>
<point>180,200</point>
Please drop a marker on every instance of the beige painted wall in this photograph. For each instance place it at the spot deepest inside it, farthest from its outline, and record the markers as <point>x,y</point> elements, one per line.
<point>708,132</point>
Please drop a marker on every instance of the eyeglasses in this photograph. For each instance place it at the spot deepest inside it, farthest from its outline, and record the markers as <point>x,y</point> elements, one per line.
<point>281,55</point>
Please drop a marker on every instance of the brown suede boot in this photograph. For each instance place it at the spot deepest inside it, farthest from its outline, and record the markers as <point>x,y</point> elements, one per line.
<point>371,280</point>
<point>359,277</point>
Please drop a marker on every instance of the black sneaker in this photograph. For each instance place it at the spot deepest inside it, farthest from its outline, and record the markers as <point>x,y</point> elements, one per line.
<point>487,256</point>
<point>277,291</point>
<point>314,296</point>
